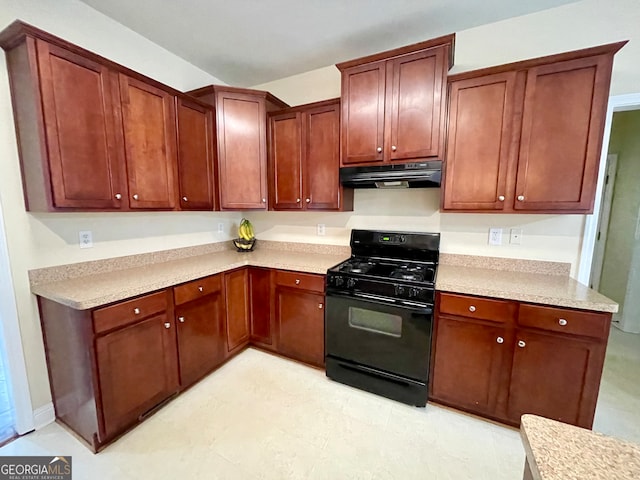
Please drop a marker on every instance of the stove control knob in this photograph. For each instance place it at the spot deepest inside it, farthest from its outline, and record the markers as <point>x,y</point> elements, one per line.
<point>338,281</point>
<point>413,292</point>
<point>403,239</point>
<point>351,282</point>
<point>400,290</point>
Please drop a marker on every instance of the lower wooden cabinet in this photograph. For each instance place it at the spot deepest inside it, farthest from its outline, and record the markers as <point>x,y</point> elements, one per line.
<point>137,369</point>
<point>236,293</point>
<point>299,313</point>
<point>260,306</point>
<point>540,360</point>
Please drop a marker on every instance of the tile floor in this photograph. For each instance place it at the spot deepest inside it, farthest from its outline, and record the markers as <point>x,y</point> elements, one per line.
<point>263,417</point>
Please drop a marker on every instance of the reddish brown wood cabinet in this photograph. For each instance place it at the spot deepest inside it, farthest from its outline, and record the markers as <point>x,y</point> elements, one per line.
<point>304,159</point>
<point>526,137</point>
<point>236,291</point>
<point>502,359</point>
<point>241,124</point>
<point>260,293</point>
<point>393,104</point>
<point>200,325</point>
<point>299,313</point>
<point>196,155</point>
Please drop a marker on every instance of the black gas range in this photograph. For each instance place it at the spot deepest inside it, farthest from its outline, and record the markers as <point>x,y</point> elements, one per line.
<point>379,314</point>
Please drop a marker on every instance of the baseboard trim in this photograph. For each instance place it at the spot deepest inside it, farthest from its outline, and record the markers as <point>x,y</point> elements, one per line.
<point>43,416</point>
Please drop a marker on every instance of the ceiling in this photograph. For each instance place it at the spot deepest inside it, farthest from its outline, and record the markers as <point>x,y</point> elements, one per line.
<point>249,42</point>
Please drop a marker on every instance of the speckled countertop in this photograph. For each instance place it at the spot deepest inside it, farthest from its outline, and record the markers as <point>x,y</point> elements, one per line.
<point>557,451</point>
<point>91,284</point>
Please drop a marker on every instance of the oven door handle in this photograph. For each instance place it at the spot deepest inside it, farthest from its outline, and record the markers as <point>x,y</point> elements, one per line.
<point>424,308</point>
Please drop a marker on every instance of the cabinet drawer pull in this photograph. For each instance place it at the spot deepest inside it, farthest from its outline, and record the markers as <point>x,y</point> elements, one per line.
<point>562,322</point>
<point>319,305</point>
<point>500,340</point>
<point>521,343</point>
<point>521,198</point>
<point>501,198</point>
<point>393,148</point>
<point>297,281</point>
<point>472,308</point>
<point>136,311</point>
<point>135,196</point>
<point>201,289</point>
<point>167,325</point>
<point>181,319</point>
<point>379,149</point>
<point>118,196</point>
<point>185,199</point>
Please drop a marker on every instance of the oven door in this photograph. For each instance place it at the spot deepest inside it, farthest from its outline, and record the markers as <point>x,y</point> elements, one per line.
<point>393,336</point>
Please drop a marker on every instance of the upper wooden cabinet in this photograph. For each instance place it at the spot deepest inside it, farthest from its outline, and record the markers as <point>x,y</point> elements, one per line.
<point>527,136</point>
<point>304,159</point>
<point>196,155</point>
<point>394,105</point>
<point>241,124</point>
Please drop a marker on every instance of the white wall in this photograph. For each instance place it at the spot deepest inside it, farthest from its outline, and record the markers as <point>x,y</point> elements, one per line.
<point>38,240</point>
<point>545,237</point>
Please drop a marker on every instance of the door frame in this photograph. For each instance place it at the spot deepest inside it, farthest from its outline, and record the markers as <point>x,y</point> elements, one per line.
<point>617,103</point>
<point>14,354</point>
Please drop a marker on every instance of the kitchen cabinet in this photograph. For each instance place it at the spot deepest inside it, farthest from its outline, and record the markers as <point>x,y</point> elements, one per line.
<point>196,155</point>
<point>200,321</point>
<point>260,307</point>
<point>299,313</point>
<point>236,293</point>
<point>304,159</point>
<point>149,131</point>
<point>501,359</point>
<point>393,104</point>
<point>241,124</point>
<point>527,137</point>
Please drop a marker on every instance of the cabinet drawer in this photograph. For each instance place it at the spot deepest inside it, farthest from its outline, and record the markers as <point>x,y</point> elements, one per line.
<point>576,322</point>
<point>500,311</point>
<point>197,289</point>
<point>127,312</point>
<point>304,281</point>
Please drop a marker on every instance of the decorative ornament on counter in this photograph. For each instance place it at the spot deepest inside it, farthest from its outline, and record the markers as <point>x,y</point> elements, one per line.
<point>247,239</point>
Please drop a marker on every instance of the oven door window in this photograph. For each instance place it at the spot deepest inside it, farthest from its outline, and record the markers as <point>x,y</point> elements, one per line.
<point>375,322</point>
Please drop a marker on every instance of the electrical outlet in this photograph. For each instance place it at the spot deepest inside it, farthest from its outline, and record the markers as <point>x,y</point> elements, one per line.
<point>495,236</point>
<point>320,229</point>
<point>220,227</point>
<point>516,236</point>
<point>86,239</point>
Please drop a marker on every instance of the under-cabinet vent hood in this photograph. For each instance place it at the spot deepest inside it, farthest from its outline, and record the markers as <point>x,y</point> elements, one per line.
<point>407,175</point>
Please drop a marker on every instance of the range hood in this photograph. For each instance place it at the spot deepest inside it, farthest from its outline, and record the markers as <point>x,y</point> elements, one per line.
<point>407,175</point>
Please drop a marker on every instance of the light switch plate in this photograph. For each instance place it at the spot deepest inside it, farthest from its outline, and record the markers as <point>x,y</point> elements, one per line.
<point>220,227</point>
<point>495,236</point>
<point>86,238</point>
<point>321,229</point>
<point>516,236</point>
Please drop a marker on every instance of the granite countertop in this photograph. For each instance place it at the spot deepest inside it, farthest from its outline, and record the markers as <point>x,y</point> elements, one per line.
<point>557,451</point>
<point>92,291</point>
<point>555,290</point>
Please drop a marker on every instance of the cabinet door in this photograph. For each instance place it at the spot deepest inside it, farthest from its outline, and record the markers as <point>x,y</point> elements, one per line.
<point>468,361</point>
<point>363,103</point>
<point>321,167</point>
<point>300,320</point>
<point>416,105</point>
<point>480,133</point>
<point>195,156</point>
<point>137,369</point>
<point>556,377</point>
<point>78,102</point>
<point>237,311</point>
<point>150,144</point>
<point>242,151</point>
<point>285,161</point>
<point>562,123</point>
<point>201,346</point>
<point>260,292</point>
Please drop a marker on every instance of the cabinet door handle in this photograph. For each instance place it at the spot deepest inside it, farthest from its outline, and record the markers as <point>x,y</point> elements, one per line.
<point>308,200</point>
<point>521,343</point>
<point>500,340</point>
<point>393,148</point>
<point>562,322</point>
<point>297,281</point>
<point>167,325</point>
<point>297,200</point>
<point>501,198</point>
<point>264,200</point>
<point>379,149</point>
<point>319,305</point>
<point>135,196</point>
<point>185,199</point>
<point>472,308</point>
<point>180,319</point>
<point>521,198</point>
<point>136,311</point>
<point>201,289</point>
<point>118,196</point>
